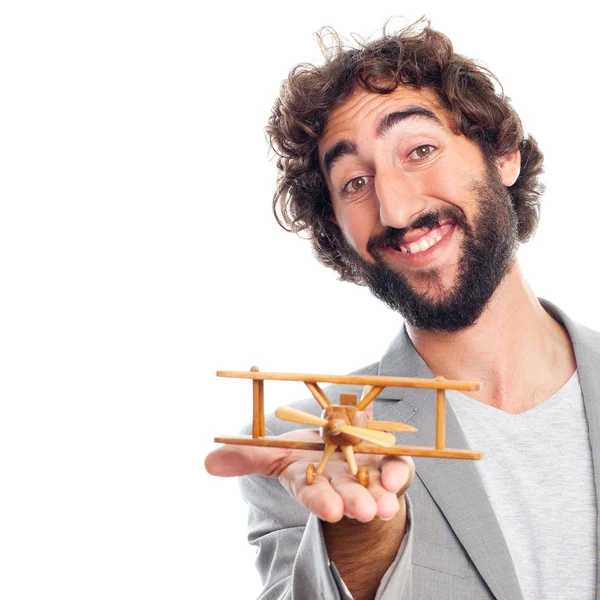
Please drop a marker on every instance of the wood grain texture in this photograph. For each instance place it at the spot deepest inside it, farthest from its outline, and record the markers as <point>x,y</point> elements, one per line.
<point>363,476</point>
<point>327,454</point>
<point>440,417</point>
<point>270,442</point>
<point>261,408</point>
<point>287,413</point>
<point>420,451</point>
<point>350,459</point>
<point>258,411</point>
<point>359,449</point>
<point>348,399</point>
<point>370,396</point>
<point>374,380</point>
<point>310,474</point>
<point>390,426</point>
<point>319,395</point>
<point>380,438</point>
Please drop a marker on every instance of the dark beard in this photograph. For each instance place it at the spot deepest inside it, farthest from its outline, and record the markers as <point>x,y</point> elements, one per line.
<point>487,253</point>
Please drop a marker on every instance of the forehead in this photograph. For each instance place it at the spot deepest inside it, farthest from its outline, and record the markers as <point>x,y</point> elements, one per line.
<point>359,115</point>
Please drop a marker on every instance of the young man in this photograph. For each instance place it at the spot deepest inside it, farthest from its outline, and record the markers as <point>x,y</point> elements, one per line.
<point>413,177</point>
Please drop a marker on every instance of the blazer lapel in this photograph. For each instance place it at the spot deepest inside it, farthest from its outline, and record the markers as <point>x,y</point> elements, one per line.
<point>586,345</point>
<point>455,485</point>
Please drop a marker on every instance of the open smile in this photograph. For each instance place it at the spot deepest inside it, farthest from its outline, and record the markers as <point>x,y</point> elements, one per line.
<point>422,246</point>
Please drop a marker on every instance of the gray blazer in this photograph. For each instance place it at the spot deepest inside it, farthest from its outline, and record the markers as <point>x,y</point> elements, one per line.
<point>454,548</point>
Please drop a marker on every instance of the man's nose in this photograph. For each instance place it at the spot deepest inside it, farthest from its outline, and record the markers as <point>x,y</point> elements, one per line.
<point>400,200</point>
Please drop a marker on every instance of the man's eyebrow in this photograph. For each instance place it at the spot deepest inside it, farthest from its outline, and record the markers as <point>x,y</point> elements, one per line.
<point>345,147</point>
<point>342,148</point>
<point>402,115</point>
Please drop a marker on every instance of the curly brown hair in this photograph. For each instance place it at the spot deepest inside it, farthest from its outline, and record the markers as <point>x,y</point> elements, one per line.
<point>419,57</point>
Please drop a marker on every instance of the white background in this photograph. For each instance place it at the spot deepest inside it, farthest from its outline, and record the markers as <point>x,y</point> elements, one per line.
<point>138,255</point>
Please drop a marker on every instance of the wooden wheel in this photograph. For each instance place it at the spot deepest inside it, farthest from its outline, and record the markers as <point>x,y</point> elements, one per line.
<point>363,476</point>
<point>310,474</point>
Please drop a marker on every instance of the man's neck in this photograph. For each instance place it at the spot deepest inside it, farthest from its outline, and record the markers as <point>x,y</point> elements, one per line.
<point>519,353</point>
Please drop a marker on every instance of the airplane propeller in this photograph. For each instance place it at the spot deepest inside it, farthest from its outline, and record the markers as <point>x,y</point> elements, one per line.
<point>335,426</point>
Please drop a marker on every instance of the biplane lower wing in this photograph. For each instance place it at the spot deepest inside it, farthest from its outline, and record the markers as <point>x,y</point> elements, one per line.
<point>248,440</point>
<point>269,442</point>
<point>420,451</point>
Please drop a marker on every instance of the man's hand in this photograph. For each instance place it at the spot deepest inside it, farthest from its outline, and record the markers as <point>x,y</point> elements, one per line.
<point>334,494</point>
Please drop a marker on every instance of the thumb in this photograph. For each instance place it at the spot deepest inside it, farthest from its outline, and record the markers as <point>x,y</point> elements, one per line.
<point>233,461</point>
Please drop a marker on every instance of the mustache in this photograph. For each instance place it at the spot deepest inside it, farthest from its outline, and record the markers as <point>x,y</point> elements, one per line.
<point>391,236</point>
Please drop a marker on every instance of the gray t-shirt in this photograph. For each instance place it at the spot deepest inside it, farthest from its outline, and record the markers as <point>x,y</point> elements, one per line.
<point>537,471</point>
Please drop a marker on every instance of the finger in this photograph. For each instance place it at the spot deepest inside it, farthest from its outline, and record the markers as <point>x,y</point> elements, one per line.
<point>387,502</point>
<point>397,473</point>
<point>231,460</point>
<point>359,504</point>
<point>318,498</point>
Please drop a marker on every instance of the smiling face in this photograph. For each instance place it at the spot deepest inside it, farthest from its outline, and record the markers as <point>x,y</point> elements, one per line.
<point>427,219</point>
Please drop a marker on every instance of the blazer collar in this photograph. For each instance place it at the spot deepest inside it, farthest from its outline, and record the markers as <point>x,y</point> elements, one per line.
<point>455,485</point>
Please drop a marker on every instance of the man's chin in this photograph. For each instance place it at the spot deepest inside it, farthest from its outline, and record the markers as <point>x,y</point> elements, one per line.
<point>437,308</point>
<point>440,317</point>
<point>431,287</point>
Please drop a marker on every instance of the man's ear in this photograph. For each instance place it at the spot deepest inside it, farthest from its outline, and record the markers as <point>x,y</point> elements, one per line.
<point>509,167</point>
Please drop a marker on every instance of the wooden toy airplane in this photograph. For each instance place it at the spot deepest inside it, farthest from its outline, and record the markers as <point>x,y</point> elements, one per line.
<point>345,425</point>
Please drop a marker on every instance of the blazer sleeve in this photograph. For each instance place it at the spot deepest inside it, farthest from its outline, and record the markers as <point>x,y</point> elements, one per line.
<point>292,557</point>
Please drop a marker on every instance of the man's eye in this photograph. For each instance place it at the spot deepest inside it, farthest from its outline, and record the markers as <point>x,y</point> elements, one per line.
<point>356,185</point>
<point>422,152</point>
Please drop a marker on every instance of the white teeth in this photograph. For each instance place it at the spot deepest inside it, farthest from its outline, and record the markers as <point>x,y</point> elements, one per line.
<point>422,244</point>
